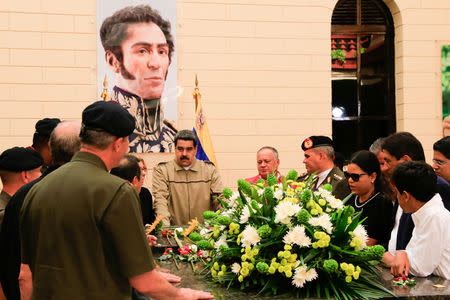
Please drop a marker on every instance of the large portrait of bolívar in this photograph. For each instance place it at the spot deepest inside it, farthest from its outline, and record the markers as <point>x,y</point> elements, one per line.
<point>137,67</point>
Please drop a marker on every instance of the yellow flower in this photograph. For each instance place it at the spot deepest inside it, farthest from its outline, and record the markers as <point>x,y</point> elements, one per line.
<point>216,266</point>
<point>322,202</point>
<point>272,270</point>
<point>241,278</point>
<point>348,279</point>
<point>344,266</point>
<point>287,247</point>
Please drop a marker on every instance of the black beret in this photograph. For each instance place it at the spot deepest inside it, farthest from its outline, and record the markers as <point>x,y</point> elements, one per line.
<point>20,159</point>
<point>45,126</point>
<point>316,141</point>
<point>109,116</point>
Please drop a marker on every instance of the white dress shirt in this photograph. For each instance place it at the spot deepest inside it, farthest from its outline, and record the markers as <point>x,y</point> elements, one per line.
<point>392,247</point>
<point>429,248</point>
<point>322,176</point>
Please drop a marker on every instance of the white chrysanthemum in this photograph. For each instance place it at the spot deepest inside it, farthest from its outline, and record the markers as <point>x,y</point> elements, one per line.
<point>193,247</point>
<point>245,214</point>
<point>361,234</point>
<point>221,241</point>
<point>323,221</point>
<point>335,203</point>
<point>204,232</point>
<point>250,236</point>
<point>284,211</point>
<point>311,274</point>
<point>297,236</point>
<point>301,276</point>
<point>235,268</point>
<point>278,194</point>
<point>260,192</point>
<point>234,196</point>
<point>229,212</point>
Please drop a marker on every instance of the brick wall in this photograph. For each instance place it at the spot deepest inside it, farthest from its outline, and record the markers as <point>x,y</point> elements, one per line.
<point>263,69</point>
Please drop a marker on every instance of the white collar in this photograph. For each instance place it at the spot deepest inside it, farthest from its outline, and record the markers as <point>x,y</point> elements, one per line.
<point>424,210</point>
<point>322,176</point>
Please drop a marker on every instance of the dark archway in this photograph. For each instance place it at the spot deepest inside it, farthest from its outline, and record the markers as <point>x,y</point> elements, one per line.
<point>363,91</point>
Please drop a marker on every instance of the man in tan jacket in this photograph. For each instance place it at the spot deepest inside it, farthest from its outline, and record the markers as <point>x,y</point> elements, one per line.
<point>185,187</point>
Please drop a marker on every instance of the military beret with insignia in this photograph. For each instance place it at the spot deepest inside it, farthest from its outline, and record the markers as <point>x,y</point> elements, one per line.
<point>316,141</point>
<point>20,159</point>
<point>45,126</point>
<point>108,116</point>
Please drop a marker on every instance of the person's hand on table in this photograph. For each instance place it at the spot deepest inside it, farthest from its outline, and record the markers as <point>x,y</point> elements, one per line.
<point>190,294</point>
<point>169,276</point>
<point>400,264</point>
<point>151,240</point>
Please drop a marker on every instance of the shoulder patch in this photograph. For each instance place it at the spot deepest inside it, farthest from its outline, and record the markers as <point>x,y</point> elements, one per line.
<point>163,162</point>
<point>336,176</point>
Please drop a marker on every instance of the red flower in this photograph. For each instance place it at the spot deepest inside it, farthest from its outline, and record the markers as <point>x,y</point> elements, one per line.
<point>397,279</point>
<point>199,253</point>
<point>169,249</point>
<point>404,278</point>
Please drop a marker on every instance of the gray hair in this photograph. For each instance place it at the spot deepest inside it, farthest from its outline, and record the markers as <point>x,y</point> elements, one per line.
<point>65,141</point>
<point>328,150</point>
<point>375,148</point>
<point>274,151</point>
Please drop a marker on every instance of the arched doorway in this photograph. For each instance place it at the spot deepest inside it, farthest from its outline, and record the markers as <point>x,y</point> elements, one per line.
<point>363,92</point>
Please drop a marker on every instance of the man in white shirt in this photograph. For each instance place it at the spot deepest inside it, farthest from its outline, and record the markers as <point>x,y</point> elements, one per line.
<point>428,251</point>
<point>319,159</point>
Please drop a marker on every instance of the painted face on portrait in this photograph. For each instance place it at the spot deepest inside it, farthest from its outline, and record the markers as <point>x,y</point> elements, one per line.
<point>145,61</point>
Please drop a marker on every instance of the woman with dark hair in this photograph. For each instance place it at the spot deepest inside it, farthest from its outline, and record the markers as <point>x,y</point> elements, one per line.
<point>365,181</point>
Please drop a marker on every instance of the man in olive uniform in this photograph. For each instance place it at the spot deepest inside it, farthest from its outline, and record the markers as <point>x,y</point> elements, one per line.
<point>185,187</point>
<point>81,231</point>
<point>18,166</point>
<point>319,159</point>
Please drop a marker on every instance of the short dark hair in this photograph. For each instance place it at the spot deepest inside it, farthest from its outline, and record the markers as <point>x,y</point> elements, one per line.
<point>39,141</point>
<point>368,162</point>
<point>95,137</point>
<point>64,142</point>
<point>128,168</point>
<point>185,135</point>
<point>443,146</point>
<point>417,178</point>
<point>404,143</point>
<point>114,28</point>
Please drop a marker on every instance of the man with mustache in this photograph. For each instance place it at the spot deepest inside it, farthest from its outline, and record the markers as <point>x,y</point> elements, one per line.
<point>185,187</point>
<point>138,48</point>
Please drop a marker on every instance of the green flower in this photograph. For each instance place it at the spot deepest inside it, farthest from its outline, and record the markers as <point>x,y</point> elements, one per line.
<point>227,193</point>
<point>224,220</point>
<point>271,180</point>
<point>306,196</point>
<point>303,216</point>
<point>194,236</point>
<point>330,266</point>
<point>204,245</point>
<point>376,250</point>
<point>254,204</point>
<point>268,193</point>
<point>209,214</point>
<point>245,187</point>
<point>262,267</point>
<point>261,182</point>
<point>327,187</point>
<point>292,175</point>
<point>264,231</point>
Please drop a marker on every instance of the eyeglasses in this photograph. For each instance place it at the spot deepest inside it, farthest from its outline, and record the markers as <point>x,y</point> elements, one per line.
<point>440,162</point>
<point>354,176</point>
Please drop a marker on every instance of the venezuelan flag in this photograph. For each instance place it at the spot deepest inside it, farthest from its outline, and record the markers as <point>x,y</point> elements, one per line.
<point>205,149</point>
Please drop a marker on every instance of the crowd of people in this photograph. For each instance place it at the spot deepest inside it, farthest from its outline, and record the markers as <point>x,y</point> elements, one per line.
<point>73,205</point>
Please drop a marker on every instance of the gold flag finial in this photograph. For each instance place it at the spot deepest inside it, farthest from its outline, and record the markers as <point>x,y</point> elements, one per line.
<point>196,81</point>
<point>104,94</point>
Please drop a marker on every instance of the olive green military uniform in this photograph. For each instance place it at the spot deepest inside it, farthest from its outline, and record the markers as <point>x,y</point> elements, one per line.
<point>82,234</point>
<point>181,195</point>
<point>4,199</point>
<point>337,180</point>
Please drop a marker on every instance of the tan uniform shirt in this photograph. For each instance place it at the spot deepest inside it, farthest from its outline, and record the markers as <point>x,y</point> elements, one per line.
<point>181,195</point>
